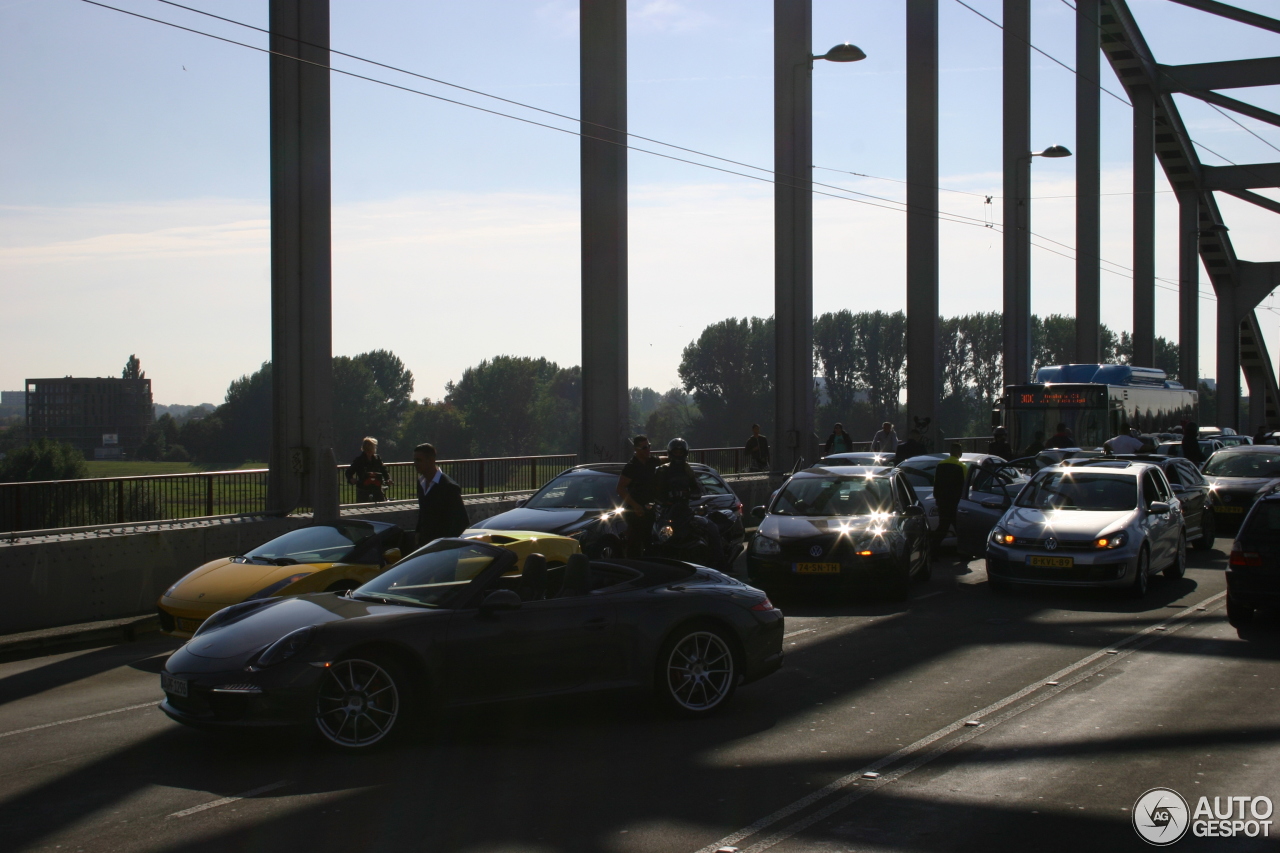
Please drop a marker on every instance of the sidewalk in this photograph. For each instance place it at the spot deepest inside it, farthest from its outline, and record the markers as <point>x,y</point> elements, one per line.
<point>67,637</point>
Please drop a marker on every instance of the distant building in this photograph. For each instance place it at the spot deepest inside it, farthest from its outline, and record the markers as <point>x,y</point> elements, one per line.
<point>104,418</point>
<point>13,403</point>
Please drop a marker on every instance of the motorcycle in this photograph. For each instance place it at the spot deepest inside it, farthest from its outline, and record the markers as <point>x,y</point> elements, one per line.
<point>694,533</point>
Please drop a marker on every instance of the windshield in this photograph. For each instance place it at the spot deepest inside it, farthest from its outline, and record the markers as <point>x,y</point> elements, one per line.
<point>1084,490</point>
<point>328,543</point>
<point>432,577</point>
<point>1263,522</point>
<point>578,491</point>
<point>844,496</point>
<point>858,459</point>
<point>1243,465</point>
<point>1030,428</point>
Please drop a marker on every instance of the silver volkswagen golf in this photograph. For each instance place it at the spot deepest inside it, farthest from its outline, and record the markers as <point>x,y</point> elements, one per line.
<point>1110,524</point>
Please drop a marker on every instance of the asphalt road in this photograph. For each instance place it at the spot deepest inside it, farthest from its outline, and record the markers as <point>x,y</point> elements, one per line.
<point>1158,693</point>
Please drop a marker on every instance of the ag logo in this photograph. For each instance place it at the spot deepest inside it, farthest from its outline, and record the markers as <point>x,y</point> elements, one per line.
<point>815,551</point>
<point>1160,816</point>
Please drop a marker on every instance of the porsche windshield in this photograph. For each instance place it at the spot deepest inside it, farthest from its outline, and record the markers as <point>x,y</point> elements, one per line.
<point>1080,490</point>
<point>433,577</point>
<point>578,491</point>
<point>326,543</point>
<point>1243,465</point>
<point>835,496</point>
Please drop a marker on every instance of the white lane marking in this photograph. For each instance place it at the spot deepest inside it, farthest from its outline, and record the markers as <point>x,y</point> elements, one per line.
<point>796,633</point>
<point>928,595</point>
<point>928,740</point>
<point>78,719</point>
<point>222,802</point>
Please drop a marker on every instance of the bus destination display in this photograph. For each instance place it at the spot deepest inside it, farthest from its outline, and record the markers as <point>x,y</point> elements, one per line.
<point>1056,397</point>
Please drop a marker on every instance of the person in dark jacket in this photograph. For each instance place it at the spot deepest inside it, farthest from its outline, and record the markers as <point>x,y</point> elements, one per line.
<point>441,512</point>
<point>368,473</point>
<point>635,487</point>
<point>999,445</point>
<point>948,488</point>
<point>1060,438</point>
<point>1191,444</point>
<point>757,450</point>
<point>1036,445</point>
<point>913,446</point>
<point>839,441</point>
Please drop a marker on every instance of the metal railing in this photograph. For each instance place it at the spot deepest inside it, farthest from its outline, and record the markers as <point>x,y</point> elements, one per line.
<point>970,443</point>
<point>490,475</point>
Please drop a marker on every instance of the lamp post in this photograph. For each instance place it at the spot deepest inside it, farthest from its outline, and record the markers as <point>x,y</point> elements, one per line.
<point>793,225</point>
<point>1017,369</point>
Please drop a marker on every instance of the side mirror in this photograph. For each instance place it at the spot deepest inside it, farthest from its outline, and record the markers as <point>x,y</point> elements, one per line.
<point>391,555</point>
<point>913,511</point>
<point>758,512</point>
<point>1158,508</point>
<point>500,599</point>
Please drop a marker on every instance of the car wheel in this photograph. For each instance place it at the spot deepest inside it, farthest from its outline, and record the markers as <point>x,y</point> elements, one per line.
<point>1141,576</point>
<point>1208,530</point>
<point>362,702</point>
<point>1175,570</point>
<point>697,670</point>
<point>1238,615</point>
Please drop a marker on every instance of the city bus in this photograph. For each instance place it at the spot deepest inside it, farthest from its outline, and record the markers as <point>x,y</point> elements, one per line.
<point>1092,400</point>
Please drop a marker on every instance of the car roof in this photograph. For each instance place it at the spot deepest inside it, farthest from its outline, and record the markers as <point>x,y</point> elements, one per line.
<point>1128,468</point>
<point>1249,448</point>
<point>616,468</point>
<point>845,471</point>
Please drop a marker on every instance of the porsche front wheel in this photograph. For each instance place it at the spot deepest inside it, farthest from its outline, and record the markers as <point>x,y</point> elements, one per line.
<point>361,702</point>
<point>697,671</point>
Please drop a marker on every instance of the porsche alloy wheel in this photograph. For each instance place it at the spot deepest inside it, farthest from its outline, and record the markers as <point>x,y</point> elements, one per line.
<point>359,703</point>
<point>699,671</point>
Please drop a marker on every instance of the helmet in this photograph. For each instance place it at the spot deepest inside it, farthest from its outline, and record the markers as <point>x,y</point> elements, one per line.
<point>1001,431</point>
<point>677,448</point>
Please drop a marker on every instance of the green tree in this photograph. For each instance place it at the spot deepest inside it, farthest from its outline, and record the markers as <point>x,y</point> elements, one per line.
<point>359,407</point>
<point>43,459</point>
<point>675,416</point>
<point>502,401</point>
<point>438,423</point>
<point>729,372</point>
<point>394,381</point>
<point>133,369</point>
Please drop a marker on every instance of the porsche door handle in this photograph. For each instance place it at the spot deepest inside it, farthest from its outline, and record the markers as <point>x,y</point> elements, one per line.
<point>598,624</point>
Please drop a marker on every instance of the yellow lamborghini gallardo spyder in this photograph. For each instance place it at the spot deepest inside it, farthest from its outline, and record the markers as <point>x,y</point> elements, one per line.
<point>318,558</point>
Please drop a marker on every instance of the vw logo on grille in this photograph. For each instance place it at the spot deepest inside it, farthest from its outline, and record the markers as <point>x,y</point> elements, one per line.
<point>815,551</point>
<point>1051,544</point>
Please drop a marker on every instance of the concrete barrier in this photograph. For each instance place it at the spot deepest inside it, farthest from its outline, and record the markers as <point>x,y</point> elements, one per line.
<point>109,573</point>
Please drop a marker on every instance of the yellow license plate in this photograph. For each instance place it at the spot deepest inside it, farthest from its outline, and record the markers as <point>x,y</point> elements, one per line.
<point>1052,562</point>
<point>818,568</point>
<point>187,625</point>
<point>1228,509</point>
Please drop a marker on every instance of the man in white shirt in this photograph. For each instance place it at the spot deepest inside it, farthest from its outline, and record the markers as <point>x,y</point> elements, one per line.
<point>886,440</point>
<point>1123,442</point>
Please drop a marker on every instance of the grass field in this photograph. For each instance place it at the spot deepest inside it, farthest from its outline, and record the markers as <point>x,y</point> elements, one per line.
<point>103,468</point>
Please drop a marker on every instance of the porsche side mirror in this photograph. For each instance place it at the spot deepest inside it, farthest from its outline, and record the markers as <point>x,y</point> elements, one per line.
<point>391,555</point>
<point>500,599</point>
<point>758,512</point>
<point>1158,508</point>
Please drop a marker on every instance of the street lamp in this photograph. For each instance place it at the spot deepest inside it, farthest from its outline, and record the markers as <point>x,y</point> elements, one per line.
<point>843,53</point>
<point>1053,151</point>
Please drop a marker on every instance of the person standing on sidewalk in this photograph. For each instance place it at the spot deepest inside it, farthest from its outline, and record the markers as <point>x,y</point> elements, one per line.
<point>441,512</point>
<point>757,450</point>
<point>368,473</point>
<point>886,440</point>
<point>635,487</point>
<point>839,441</point>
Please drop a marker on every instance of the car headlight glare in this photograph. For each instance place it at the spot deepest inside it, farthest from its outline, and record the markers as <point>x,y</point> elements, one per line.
<point>766,546</point>
<point>665,532</point>
<point>1115,540</point>
<point>286,647</point>
<point>1002,537</point>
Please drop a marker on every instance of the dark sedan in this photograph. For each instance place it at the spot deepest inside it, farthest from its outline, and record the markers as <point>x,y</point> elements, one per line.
<point>832,528</point>
<point>1253,572</point>
<point>1237,476</point>
<point>583,503</point>
<point>454,624</point>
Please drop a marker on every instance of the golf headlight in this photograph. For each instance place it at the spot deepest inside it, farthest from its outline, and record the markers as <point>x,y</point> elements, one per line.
<point>764,545</point>
<point>286,647</point>
<point>999,536</point>
<point>1115,540</point>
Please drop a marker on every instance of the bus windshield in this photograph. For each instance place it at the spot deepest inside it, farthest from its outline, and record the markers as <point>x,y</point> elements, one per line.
<point>1029,427</point>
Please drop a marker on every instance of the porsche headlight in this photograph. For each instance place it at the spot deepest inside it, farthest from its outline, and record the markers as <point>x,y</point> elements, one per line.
<point>286,647</point>
<point>665,532</point>
<point>766,546</point>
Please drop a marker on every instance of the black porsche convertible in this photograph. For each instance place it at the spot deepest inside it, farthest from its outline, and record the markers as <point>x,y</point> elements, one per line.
<point>456,624</point>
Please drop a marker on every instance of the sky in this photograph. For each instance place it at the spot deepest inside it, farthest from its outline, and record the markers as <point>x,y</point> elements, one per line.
<point>134,206</point>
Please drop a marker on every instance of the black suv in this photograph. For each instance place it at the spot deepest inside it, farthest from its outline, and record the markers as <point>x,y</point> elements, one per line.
<point>1253,574</point>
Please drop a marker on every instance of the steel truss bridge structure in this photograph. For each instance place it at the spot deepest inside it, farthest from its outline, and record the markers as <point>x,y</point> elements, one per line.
<point>300,211</point>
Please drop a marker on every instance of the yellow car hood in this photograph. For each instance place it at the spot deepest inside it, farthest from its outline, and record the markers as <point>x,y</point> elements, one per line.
<point>226,582</point>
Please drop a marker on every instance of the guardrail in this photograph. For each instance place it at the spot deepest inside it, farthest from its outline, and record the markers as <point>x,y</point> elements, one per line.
<point>970,443</point>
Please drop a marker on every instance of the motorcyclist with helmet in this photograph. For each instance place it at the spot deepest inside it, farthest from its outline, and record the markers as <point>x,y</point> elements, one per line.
<point>675,484</point>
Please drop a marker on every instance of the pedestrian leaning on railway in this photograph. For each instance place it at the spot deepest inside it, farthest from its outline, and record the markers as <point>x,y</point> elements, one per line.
<point>839,441</point>
<point>948,487</point>
<point>886,440</point>
<point>440,509</point>
<point>757,450</point>
<point>368,473</point>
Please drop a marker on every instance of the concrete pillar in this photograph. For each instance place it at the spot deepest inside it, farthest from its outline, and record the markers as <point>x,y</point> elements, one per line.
<point>1088,182</point>
<point>1189,288</point>
<point>1228,397</point>
<point>1144,227</point>
<point>922,212</point>
<point>302,458</point>
<point>793,231</point>
<point>603,69</point>
<point>1017,182</point>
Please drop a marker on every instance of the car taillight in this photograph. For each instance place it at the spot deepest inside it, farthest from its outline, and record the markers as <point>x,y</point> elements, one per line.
<point>1245,558</point>
<point>764,605</point>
